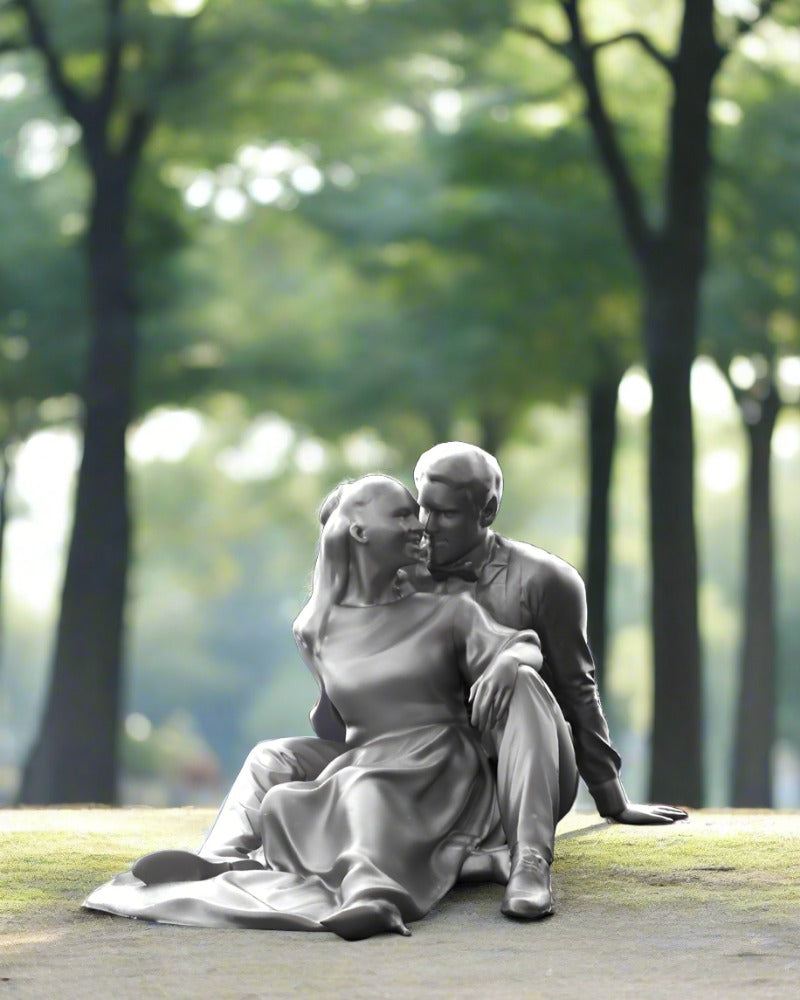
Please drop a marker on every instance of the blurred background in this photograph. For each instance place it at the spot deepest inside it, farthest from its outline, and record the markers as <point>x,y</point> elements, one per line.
<point>253,247</point>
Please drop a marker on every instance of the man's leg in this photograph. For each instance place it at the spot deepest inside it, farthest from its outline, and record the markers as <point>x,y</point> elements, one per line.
<point>537,780</point>
<point>235,833</point>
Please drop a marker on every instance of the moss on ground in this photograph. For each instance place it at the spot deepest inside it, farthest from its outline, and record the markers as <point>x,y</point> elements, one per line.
<point>54,857</point>
<point>51,858</point>
<point>746,860</point>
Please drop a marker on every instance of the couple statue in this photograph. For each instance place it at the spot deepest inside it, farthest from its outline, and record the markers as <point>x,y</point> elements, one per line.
<point>457,708</point>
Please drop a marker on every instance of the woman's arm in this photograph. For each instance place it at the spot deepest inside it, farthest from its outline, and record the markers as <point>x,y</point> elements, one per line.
<point>490,657</point>
<point>490,695</point>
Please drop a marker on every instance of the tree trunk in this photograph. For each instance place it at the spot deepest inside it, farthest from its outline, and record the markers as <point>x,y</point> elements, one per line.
<point>492,432</point>
<point>670,330</point>
<point>75,756</point>
<point>671,260</point>
<point>755,722</point>
<point>602,439</point>
<point>5,473</point>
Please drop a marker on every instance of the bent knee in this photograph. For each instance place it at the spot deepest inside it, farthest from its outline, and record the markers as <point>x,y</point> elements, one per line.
<point>275,755</point>
<point>530,682</point>
<point>531,692</point>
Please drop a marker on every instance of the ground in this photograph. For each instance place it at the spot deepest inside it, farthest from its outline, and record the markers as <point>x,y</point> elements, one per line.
<point>706,908</point>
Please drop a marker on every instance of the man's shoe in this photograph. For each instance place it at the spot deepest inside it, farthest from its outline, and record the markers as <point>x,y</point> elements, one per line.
<point>184,866</point>
<point>528,895</point>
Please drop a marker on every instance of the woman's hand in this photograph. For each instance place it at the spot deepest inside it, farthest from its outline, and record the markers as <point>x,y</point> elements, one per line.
<point>490,695</point>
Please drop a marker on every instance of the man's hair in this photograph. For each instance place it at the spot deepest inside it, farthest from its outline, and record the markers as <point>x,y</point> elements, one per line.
<point>462,466</point>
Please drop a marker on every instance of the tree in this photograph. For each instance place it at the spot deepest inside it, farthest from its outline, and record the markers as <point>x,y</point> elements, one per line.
<point>38,371</point>
<point>670,256</point>
<point>749,328</point>
<point>143,52</point>
<point>506,287</point>
<point>73,760</point>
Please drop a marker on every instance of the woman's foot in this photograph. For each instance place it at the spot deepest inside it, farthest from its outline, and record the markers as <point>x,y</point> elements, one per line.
<point>184,866</point>
<point>365,919</point>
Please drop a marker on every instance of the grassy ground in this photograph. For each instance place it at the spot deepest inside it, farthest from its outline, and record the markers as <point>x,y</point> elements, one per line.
<point>710,907</point>
<point>745,860</point>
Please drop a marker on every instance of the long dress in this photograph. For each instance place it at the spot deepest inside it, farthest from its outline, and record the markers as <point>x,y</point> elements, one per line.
<point>379,837</point>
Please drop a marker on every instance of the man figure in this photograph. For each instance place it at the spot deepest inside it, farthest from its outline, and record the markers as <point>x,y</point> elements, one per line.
<point>554,726</point>
<point>459,489</point>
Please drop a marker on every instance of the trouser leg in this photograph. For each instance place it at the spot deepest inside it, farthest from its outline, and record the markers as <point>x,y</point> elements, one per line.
<point>537,777</point>
<point>235,833</point>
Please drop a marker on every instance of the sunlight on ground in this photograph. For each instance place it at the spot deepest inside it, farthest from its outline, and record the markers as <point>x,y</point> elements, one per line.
<point>102,820</point>
<point>15,940</point>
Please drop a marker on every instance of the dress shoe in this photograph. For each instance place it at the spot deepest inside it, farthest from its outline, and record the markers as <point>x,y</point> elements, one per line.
<point>528,895</point>
<point>365,918</point>
<point>184,866</point>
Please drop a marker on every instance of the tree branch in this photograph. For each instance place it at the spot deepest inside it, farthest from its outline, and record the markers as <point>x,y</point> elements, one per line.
<point>530,31</point>
<point>73,103</point>
<point>139,128</point>
<point>143,120</point>
<point>625,190</point>
<point>173,65</point>
<point>644,42</point>
<point>110,84</point>
<point>764,10</point>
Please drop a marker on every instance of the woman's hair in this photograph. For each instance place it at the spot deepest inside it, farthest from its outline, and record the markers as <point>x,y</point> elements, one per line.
<point>332,568</point>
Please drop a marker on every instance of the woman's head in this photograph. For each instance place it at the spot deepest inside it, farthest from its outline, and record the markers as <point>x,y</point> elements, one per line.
<point>373,519</point>
<point>381,517</point>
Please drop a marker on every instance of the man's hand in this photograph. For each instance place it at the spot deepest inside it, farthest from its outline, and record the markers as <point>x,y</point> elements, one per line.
<point>490,695</point>
<point>635,815</point>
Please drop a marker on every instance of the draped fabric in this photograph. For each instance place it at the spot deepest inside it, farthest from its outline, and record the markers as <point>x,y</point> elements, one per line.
<point>380,836</point>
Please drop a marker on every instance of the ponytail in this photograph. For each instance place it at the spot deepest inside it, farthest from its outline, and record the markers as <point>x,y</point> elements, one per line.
<point>331,574</point>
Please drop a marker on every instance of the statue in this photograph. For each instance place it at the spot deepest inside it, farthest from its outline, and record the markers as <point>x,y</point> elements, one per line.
<point>380,834</point>
<point>556,730</point>
<point>540,715</point>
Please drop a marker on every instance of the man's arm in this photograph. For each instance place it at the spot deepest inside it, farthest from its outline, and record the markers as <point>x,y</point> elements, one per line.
<point>558,608</point>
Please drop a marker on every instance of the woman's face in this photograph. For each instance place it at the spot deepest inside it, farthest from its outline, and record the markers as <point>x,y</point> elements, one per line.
<point>390,526</point>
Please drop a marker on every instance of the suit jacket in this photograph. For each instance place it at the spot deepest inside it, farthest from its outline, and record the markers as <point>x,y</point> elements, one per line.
<point>525,587</point>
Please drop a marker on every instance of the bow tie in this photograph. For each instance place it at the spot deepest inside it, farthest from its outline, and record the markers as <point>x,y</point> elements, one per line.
<point>464,571</point>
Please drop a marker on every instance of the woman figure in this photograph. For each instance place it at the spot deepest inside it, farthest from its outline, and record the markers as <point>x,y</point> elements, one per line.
<point>379,837</point>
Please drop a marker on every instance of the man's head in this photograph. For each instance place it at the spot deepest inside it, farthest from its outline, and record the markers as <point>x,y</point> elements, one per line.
<point>459,488</point>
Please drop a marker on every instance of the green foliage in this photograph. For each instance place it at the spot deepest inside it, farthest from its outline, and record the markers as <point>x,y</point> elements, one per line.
<point>467,267</point>
<point>42,309</point>
<point>753,292</point>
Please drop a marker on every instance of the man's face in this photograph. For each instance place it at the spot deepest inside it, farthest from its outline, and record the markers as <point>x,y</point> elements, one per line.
<point>450,520</point>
